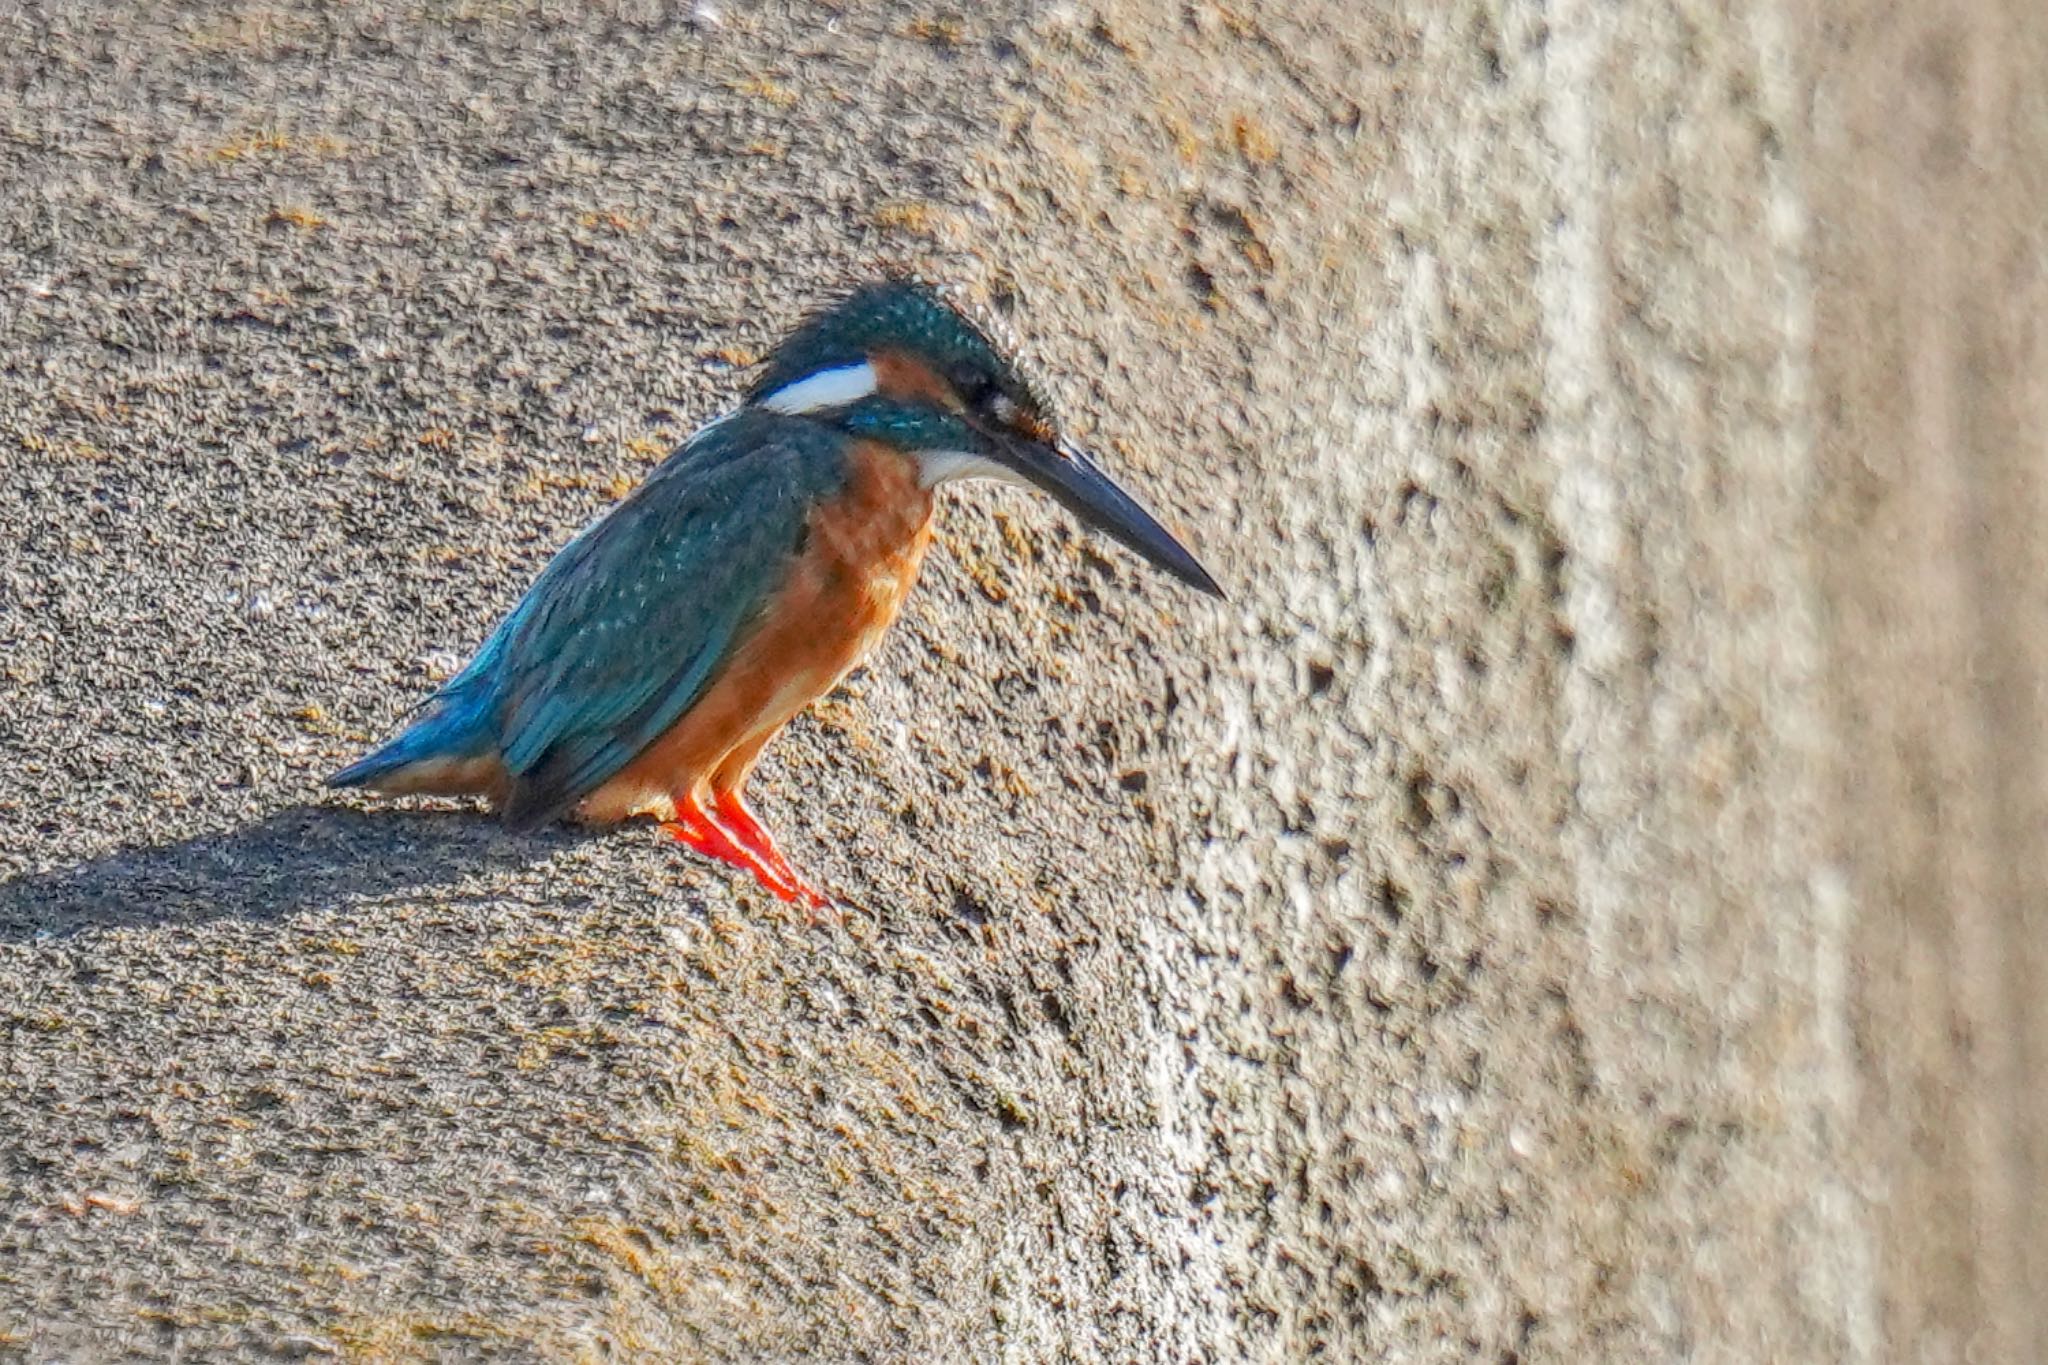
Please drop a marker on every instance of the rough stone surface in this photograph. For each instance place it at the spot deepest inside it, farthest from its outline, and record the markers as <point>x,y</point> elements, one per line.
<point>1580,899</point>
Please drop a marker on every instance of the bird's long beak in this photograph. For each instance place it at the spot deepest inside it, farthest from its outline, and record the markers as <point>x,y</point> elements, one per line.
<point>1073,479</point>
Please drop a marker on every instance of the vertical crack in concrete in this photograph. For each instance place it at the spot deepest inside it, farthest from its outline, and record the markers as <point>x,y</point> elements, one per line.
<point>1841,1246</point>
<point>1579,437</point>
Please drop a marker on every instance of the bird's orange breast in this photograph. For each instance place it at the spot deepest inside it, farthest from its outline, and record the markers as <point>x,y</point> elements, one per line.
<point>844,588</point>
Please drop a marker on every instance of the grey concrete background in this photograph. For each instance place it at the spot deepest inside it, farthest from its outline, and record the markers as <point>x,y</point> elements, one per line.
<point>1580,900</point>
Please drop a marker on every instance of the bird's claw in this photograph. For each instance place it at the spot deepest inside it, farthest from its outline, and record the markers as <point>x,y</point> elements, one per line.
<point>729,833</point>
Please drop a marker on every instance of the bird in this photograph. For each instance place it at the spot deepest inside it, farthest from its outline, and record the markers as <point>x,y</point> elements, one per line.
<point>664,647</point>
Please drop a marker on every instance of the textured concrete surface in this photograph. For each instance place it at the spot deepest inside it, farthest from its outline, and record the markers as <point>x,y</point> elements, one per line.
<point>1580,899</point>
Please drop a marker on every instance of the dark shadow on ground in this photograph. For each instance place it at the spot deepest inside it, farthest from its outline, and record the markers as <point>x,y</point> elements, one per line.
<point>305,858</point>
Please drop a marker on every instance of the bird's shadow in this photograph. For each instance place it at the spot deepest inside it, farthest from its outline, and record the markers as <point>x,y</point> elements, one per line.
<point>304,858</point>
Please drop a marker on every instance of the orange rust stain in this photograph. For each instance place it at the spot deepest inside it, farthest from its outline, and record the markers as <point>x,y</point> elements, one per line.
<point>843,592</point>
<point>901,375</point>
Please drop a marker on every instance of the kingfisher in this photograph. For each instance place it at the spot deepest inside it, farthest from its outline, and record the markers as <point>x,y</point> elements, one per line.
<point>658,653</point>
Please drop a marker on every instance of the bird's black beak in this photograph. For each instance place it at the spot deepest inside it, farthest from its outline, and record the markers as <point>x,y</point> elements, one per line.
<point>1074,480</point>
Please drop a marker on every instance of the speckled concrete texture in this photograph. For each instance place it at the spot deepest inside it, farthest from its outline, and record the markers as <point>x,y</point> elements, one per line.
<point>1578,900</point>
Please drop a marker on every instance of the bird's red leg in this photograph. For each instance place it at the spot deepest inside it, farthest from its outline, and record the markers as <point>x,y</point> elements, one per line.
<point>700,830</point>
<point>730,810</point>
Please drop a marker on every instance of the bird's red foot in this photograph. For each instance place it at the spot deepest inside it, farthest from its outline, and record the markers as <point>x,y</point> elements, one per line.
<point>739,840</point>
<point>696,828</point>
<point>732,815</point>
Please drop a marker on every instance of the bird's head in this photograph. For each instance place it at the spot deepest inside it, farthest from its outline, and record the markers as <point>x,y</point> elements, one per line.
<point>895,362</point>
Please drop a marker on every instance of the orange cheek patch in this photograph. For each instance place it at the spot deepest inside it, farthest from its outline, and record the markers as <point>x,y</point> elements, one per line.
<point>898,375</point>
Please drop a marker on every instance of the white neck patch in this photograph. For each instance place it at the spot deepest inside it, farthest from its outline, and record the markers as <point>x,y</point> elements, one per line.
<point>826,389</point>
<point>935,467</point>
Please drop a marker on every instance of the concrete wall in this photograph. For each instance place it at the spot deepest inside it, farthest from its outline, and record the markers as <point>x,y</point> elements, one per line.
<point>1578,900</point>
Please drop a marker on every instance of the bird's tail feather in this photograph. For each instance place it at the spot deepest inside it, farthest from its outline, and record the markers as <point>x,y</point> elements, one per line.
<point>454,730</point>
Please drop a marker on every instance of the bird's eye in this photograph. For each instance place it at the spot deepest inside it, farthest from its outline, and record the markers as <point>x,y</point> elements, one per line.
<point>1002,408</point>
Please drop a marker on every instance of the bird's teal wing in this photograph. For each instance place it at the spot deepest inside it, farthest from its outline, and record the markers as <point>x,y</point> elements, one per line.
<point>623,630</point>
